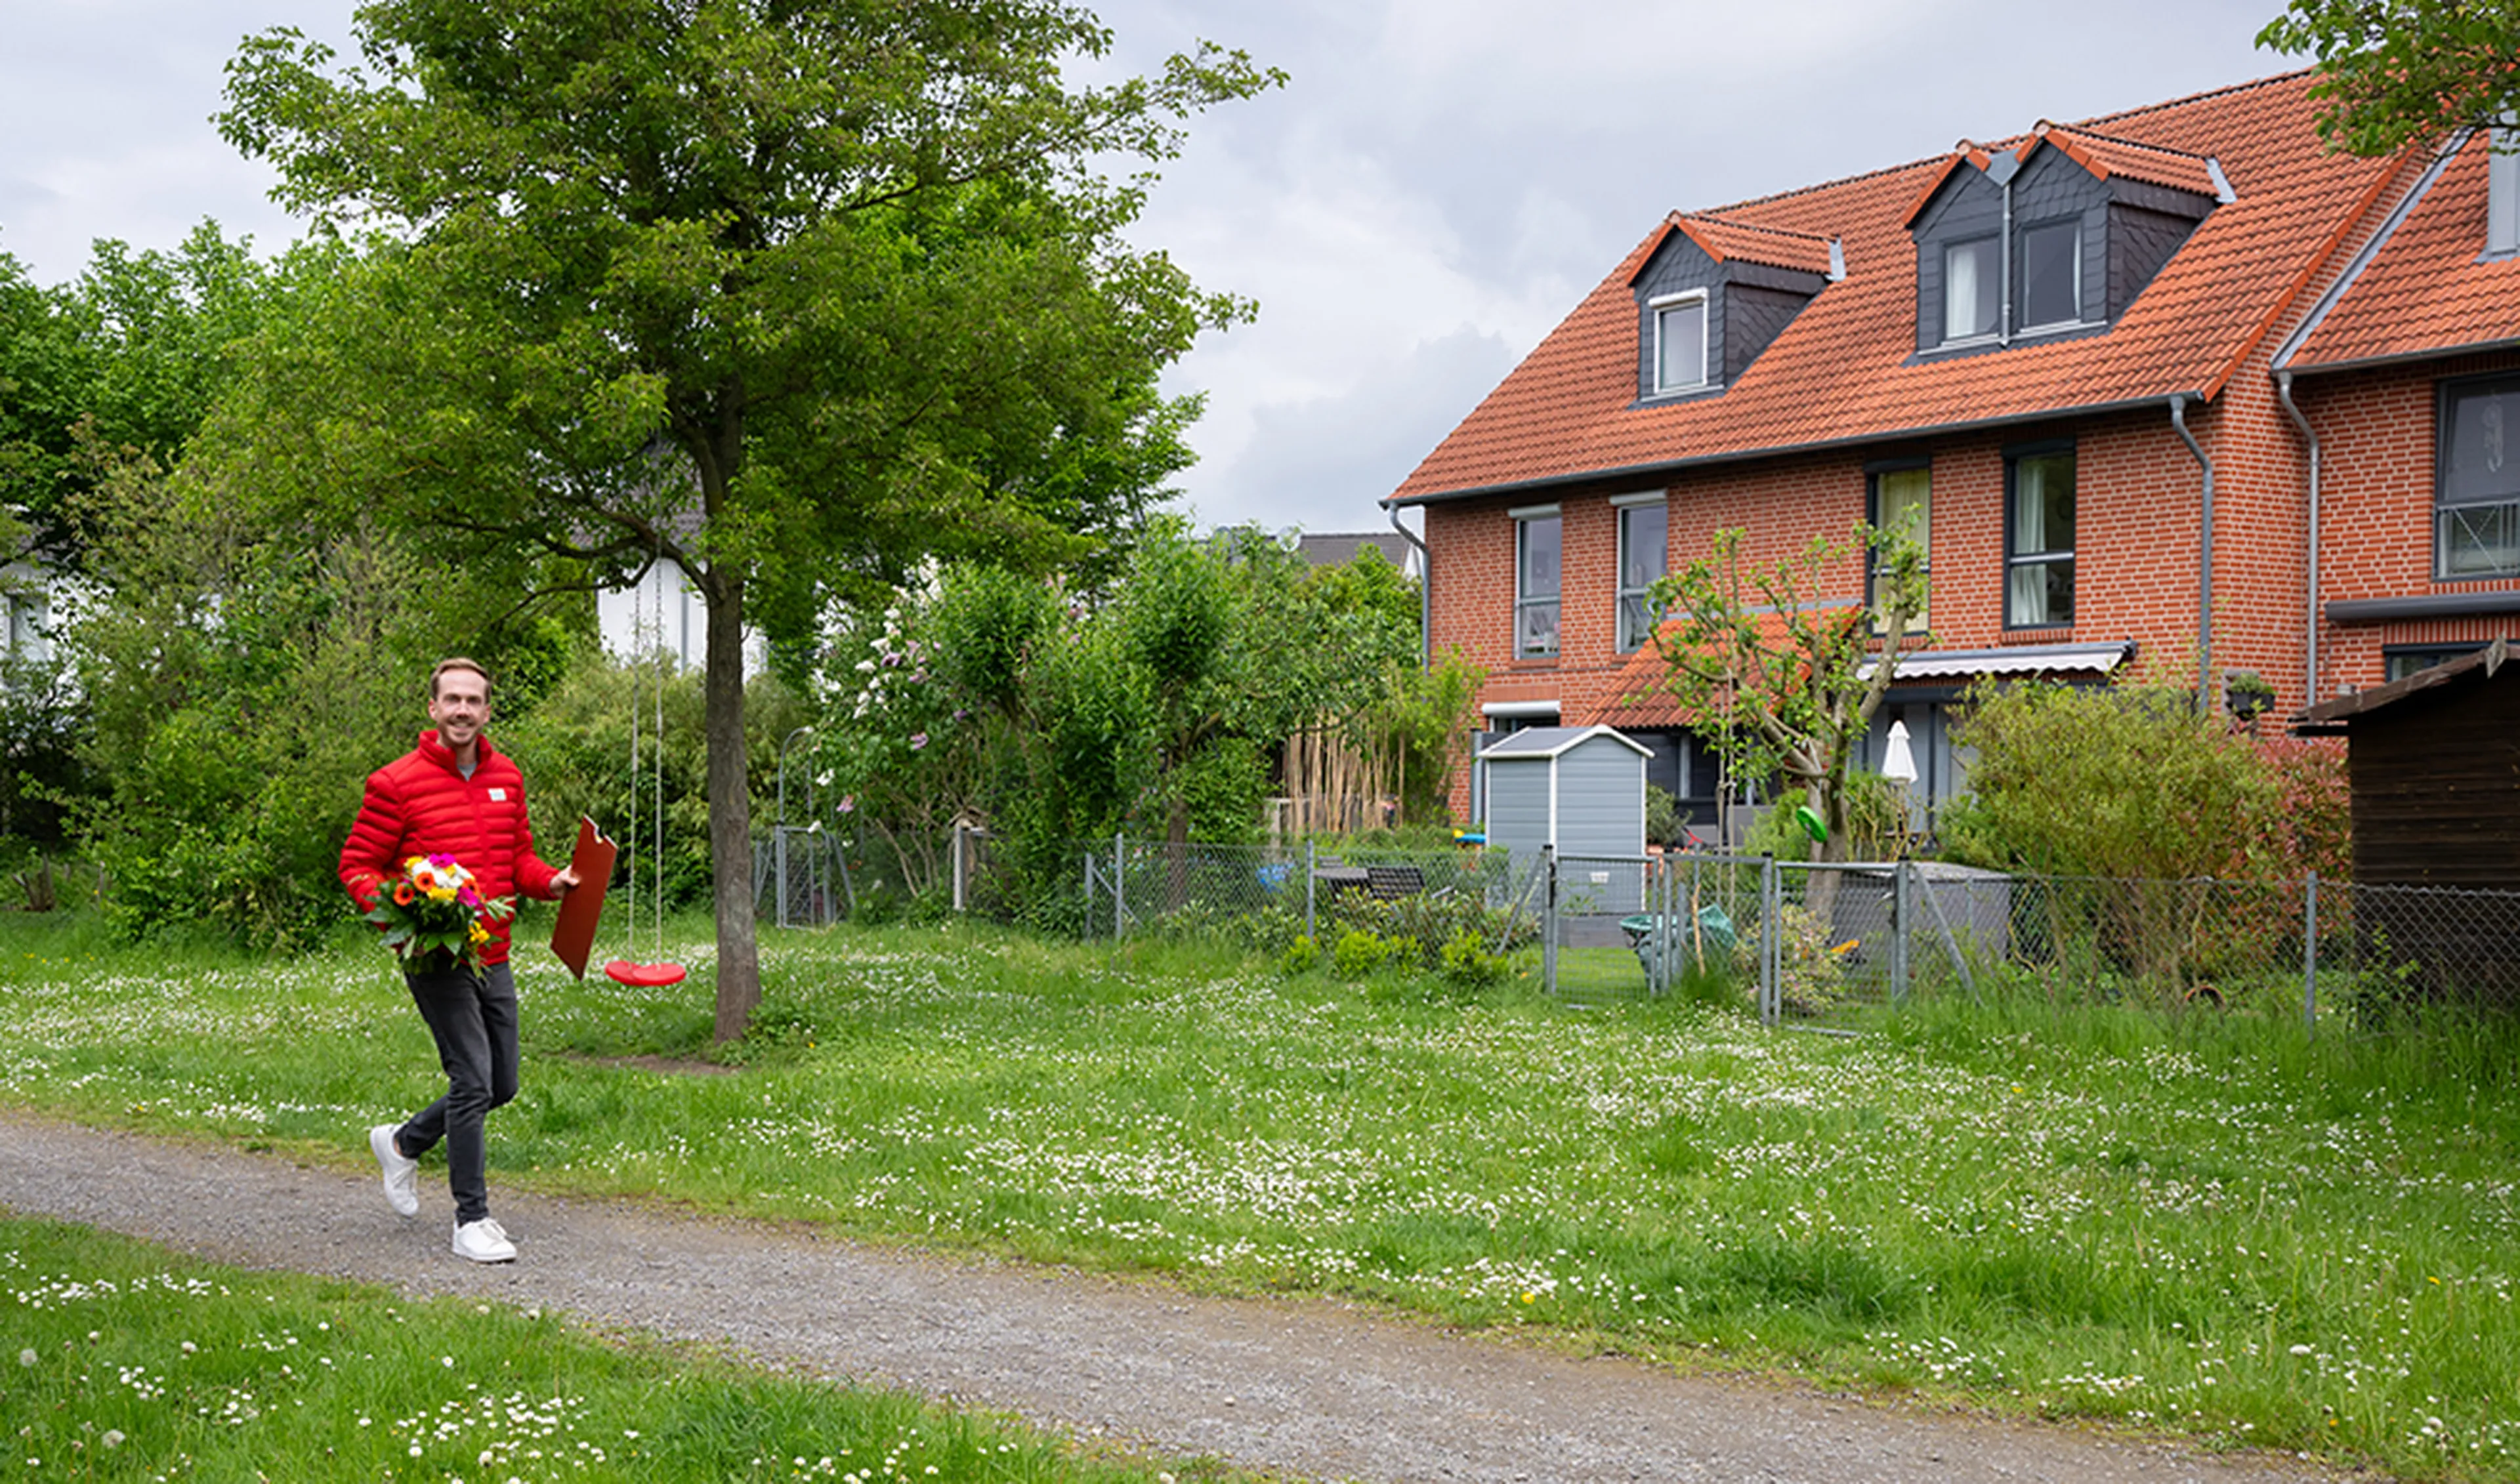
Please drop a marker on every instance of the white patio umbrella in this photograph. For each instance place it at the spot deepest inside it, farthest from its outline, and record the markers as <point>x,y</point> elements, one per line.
<point>1898,763</point>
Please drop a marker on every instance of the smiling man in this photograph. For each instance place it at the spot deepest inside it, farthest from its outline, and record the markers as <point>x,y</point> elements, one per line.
<point>455,795</point>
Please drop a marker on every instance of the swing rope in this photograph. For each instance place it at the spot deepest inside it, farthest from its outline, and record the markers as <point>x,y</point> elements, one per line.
<point>629,969</point>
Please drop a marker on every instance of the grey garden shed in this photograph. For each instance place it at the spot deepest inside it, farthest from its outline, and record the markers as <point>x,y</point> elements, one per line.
<point>1581,790</point>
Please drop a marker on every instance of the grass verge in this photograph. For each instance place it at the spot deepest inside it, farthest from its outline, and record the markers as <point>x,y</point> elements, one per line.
<point>2216,1226</point>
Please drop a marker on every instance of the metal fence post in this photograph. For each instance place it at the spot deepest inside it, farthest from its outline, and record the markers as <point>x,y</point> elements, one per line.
<point>1312,877</point>
<point>1771,990</point>
<point>1119,885</point>
<point>1900,902</point>
<point>1549,919</point>
<point>961,904</point>
<point>2310,954</point>
<point>778,867</point>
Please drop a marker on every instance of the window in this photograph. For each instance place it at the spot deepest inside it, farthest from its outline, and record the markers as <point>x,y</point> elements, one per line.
<point>1902,500</point>
<point>1972,286</point>
<point>2476,518</point>
<point>1644,543</point>
<point>2052,274</point>
<point>21,626</point>
<point>2400,660</point>
<point>1680,343</point>
<point>2039,540</point>
<point>1535,586</point>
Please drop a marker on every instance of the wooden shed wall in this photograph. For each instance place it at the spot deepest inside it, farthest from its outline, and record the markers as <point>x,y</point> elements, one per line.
<point>2437,787</point>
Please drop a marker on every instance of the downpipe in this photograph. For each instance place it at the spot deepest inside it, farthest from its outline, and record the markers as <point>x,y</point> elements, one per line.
<point>2309,643</point>
<point>2205,557</point>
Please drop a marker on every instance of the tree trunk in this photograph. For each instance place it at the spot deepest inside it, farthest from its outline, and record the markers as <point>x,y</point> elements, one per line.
<point>730,801</point>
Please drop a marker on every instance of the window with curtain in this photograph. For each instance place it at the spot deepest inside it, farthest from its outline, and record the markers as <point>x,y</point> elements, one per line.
<point>1972,281</point>
<point>1902,500</point>
<point>2476,516</point>
<point>2052,274</point>
<point>1535,596</point>
<point>2038,546</point>
<point>1680,344</point>
<point>1643,540</point>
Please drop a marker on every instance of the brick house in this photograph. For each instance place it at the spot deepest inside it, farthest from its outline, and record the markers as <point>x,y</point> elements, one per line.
<point>2172,384</point>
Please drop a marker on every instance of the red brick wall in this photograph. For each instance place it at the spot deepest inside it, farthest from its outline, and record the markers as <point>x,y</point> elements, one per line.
<point>2139,518</point>
<point>2379,437</point>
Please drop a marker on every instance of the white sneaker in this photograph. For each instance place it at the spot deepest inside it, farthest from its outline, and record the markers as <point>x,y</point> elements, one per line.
<point>402,1187</point>
<point>483,1242</point>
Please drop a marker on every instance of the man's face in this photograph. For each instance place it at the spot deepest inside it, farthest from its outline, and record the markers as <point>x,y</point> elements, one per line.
<point>461,707</point>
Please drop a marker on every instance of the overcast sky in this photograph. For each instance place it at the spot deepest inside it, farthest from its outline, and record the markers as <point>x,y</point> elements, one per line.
<point>1435,187</point>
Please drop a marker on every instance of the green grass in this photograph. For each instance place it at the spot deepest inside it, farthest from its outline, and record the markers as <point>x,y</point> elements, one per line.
<point>2215,1226</point>
<point>118,1362</point>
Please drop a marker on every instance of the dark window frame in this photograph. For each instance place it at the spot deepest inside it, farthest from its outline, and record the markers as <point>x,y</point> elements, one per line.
<point>2072,226</point>
<point>1873,474</point>
<point>1991,294</point>
<point>1524,601</point>
<point>1621,641</point>
<point>2504,511</point>
<point>2014,558</point>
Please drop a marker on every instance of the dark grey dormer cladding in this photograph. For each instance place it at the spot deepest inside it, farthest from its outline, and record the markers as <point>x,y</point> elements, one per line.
<point>2072,249</point>
<point>1748,305</point>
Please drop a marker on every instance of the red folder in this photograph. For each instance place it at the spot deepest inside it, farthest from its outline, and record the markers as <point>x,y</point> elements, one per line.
<point>574,935</point>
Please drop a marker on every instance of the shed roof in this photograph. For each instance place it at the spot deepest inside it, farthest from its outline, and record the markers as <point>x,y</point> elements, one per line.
<point>1556,742</point>
<point>2329,717</point>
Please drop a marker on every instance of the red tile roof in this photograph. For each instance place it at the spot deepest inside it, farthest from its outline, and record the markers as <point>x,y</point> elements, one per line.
<point>2104,155</point>
<point>1748,241</point>
<point>1846,369</point>
<point>2428,290</point>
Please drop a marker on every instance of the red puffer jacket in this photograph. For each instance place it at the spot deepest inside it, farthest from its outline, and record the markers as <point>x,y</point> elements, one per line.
<point>419,804</point>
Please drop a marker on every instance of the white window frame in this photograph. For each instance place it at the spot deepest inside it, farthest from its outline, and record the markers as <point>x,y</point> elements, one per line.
<point>1660,308</point>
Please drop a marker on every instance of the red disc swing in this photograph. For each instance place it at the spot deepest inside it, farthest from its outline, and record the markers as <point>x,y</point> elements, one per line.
<point>630,970</point>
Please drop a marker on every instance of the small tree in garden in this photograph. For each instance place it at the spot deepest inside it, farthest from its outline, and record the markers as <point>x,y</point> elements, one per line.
<point>1782,680</point>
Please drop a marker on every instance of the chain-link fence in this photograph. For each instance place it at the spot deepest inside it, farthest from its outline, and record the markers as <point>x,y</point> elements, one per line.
<point>1826,946</point>
<point>1271,894</point>
<point>800,876</point>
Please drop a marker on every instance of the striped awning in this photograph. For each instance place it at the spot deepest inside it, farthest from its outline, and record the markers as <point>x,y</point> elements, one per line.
<point>2013,659</point>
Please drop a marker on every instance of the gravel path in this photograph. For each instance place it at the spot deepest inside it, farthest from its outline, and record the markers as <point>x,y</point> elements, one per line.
<point>1311,1388</point>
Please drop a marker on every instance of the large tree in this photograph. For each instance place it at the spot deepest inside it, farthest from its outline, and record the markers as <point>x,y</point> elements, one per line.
<point>2395,71</point>
<point>787,293</point>
<point>129,356</point>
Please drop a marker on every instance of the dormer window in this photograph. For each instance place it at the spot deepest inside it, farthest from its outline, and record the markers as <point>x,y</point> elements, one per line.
<point>2052,274</point>
<point>1972,289</point>
<point>2055,236</point>
<point>1714,293</point>
<point>1679,343</point>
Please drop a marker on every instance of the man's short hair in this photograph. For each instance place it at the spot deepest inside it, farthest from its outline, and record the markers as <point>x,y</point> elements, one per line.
<point>458,663</point>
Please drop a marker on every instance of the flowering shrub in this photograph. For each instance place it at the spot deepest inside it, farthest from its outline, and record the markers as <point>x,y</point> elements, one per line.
<point>434,914</point>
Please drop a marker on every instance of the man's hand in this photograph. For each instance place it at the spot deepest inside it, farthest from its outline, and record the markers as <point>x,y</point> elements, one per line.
<point>563,879</point>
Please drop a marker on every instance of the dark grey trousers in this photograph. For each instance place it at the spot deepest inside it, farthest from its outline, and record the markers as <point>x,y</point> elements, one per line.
<point>474,1017</point>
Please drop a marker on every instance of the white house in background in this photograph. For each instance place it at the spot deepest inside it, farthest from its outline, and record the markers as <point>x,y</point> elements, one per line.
<point>664,611</point>
<point>33,597</point>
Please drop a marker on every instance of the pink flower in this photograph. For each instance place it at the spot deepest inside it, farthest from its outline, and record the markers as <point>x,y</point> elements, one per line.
<point>849,803</point>
<point>918,739</point>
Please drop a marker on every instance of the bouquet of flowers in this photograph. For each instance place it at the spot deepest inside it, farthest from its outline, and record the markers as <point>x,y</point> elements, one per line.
<point>434,916</point>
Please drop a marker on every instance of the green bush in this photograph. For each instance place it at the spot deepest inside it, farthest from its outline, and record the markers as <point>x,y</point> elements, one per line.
<point>1301,957</point>
<point>1361,953</point>
<point>1466,962</point>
